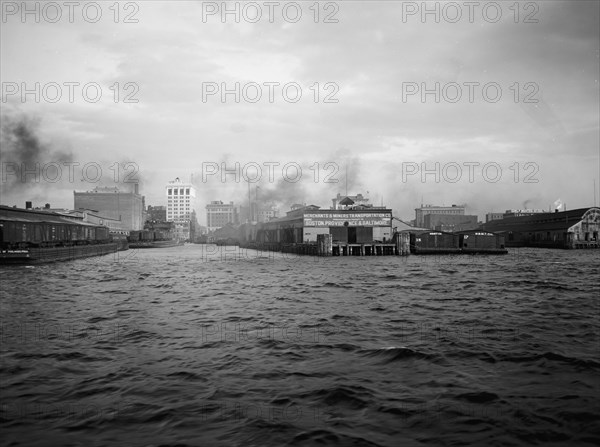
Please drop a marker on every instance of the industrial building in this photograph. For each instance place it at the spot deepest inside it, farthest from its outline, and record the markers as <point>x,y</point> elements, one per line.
<point>157,213</point>
<point>493,216</point>
<point>219,214</point>
<point>423,211</point>
<point>567,229</point>
<point>513,213</point>
<point>450,222</point>
<point>115,226</point>
<point>110,202</point>
<point>523,212</point>
<point>265,213</point>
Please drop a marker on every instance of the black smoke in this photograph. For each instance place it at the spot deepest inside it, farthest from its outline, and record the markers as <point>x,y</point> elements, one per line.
<point>24,154</point>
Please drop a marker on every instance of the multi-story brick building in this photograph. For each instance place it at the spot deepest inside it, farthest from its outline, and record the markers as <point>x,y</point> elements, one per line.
<point>219,214</point>
<point>110,202</point>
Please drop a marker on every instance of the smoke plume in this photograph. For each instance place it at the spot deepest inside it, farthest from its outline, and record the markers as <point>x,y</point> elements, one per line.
<point>24,156</point>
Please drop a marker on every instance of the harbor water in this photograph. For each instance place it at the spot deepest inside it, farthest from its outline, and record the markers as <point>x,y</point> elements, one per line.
<point>204,345</point>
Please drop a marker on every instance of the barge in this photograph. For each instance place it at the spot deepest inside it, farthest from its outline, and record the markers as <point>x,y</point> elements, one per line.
<point>155,244</point>
<point>152,239</point>
<point>479,241</point>
<point>56,254</point>
<point>426,242</point>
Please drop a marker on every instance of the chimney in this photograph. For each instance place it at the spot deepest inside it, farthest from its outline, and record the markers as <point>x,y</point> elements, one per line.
<point>47,206</point>
<point>136,188</point>
<point>28,205</point>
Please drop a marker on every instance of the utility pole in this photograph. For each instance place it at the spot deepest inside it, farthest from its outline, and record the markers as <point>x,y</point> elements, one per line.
<point>249,204</point>
<point>346,179</point>
<point>256,201</point>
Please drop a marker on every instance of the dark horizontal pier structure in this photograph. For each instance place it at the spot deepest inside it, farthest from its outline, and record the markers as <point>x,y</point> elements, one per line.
<point>367,231</point>
<point>325,247</point>
<point>573,229</point>
<point>33,236</point>
<point>155,238</point>
<point>55,254</point>
<point>359,231</point>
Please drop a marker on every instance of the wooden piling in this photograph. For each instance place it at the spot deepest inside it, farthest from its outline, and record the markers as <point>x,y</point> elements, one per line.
<point>324,245</point>
<point>403,244</point>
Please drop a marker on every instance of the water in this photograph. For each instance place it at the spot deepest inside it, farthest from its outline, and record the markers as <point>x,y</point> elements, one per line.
<point>198,346</point>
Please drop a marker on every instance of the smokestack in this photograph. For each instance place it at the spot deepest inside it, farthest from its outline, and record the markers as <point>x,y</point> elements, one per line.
<point>28,205</point>
<point>47,206</point>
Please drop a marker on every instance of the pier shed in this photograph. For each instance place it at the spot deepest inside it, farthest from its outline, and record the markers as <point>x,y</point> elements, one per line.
<point>352,226</point>
<point>577,228</point>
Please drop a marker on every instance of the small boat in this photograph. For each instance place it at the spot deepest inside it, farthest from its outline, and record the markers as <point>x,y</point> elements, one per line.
<point>153,239</point>
<point>155,244</point>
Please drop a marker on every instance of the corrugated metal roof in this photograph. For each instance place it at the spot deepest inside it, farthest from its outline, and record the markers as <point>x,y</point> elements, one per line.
<point>36,216</point>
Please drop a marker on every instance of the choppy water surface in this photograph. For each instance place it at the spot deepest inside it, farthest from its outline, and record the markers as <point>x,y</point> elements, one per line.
<point>198,346</point>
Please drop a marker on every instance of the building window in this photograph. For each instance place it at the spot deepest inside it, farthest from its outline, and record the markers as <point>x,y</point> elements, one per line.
<point>170,191</point>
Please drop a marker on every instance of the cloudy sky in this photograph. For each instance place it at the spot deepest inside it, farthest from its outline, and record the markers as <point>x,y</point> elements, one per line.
<point>500,100</point>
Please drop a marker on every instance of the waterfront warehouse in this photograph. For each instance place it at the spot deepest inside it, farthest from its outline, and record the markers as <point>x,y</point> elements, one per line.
<point>352,226</point>
<point>577,228</point>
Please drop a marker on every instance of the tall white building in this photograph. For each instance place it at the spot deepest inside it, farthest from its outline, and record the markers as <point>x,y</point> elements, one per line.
<point>180,204</point>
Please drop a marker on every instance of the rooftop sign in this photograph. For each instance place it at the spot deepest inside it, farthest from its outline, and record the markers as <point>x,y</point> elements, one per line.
<point>347,219</point>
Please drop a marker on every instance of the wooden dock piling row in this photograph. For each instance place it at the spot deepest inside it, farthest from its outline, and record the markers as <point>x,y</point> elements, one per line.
<point>364,250</point>
<point>326,247</point>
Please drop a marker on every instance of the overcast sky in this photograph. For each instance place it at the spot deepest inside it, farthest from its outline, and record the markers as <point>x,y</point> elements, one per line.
<point>372,59</point>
